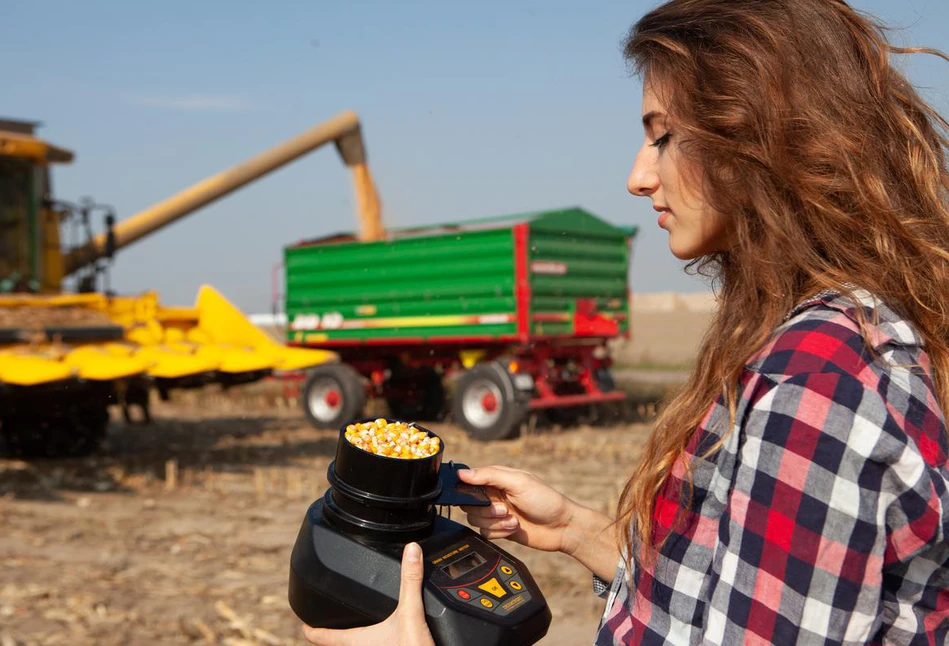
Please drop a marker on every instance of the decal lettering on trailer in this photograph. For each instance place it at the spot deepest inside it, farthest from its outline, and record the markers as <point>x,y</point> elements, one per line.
<point>329,321</point>
<point>305,322</point>
<point>332,321</point>
<point>336,321</point>
<point>549,268</point>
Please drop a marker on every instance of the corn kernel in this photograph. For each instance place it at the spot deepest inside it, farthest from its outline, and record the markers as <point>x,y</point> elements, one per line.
<point>392,439</point>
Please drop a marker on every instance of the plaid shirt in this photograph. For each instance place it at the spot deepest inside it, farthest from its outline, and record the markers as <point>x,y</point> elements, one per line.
<point>823,518</point>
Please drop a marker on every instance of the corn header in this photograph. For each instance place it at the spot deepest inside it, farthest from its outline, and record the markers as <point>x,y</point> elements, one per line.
<point>65,358</point>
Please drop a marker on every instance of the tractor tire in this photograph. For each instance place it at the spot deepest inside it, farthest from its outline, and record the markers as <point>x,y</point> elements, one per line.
<point>419,396</point>
<point>333,395</point>
<point>486,403</point>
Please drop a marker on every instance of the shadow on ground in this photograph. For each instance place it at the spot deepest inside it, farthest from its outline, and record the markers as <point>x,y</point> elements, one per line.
<point>210,435</point>
<point>214,444</point>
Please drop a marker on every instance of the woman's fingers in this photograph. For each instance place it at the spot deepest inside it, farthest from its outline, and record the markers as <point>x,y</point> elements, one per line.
<point>409,616</point>
<point>326,637</point>
<point>502,479</point>
<point>504,523</point>
<point>492,534</point>
<point>496,510</point>
<point>404,626</point>
<point>410,591</point>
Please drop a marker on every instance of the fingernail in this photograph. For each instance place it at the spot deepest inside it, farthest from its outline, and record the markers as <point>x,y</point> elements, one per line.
<point>510,523</point>
<point>499,510</point>
<point>413,552</point>
<point>467,472</point>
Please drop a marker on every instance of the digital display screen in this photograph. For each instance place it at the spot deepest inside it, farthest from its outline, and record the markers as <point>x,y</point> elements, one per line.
<point>463,565</point>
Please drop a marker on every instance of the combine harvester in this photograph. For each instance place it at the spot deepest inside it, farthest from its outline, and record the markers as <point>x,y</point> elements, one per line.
<point>66,357</point>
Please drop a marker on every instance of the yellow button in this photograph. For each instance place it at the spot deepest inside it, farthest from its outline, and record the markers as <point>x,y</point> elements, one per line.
<point>514,584</point>
<point>487,603</point>
<point>491,586</point>
<point>506,570</point>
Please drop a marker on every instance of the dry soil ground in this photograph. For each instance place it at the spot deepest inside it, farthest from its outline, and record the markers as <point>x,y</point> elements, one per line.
<point>106,550</point>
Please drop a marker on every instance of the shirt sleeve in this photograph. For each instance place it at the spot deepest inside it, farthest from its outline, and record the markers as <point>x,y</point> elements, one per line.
<point>600,587</point>
<point>827,492</point>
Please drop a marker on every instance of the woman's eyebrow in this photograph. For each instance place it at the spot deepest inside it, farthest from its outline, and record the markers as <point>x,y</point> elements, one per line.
<point>649,116</point>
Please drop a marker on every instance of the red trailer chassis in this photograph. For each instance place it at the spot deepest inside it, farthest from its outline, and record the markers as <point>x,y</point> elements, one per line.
<point>506,379</point>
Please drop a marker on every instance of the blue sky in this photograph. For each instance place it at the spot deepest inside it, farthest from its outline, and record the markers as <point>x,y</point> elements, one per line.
<point>469,110</point>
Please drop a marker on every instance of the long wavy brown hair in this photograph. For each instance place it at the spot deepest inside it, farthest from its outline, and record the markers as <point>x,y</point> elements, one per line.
<point>832,170</point>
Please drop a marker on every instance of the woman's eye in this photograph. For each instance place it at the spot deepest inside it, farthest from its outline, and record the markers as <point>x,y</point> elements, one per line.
<point>661,142</point>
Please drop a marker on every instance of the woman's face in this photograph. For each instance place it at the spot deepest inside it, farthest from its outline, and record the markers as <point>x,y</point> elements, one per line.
<point>663,174</point>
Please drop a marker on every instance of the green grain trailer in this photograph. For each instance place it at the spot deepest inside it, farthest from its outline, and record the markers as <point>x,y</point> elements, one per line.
<point>518,308</point>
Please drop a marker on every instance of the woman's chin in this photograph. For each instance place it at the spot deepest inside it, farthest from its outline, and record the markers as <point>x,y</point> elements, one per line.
<point>682,253</point>
<point>690,250</point>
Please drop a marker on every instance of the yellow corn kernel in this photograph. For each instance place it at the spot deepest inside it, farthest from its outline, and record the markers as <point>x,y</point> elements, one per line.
<point>392,439</point>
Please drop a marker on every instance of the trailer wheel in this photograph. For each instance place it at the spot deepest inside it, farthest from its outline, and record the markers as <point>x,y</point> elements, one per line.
<point>417,395</point>
<point>486,403</point>
<point>332,395</point>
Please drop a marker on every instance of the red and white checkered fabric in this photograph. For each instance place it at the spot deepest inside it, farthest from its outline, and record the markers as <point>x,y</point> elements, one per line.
<point>823,518</point>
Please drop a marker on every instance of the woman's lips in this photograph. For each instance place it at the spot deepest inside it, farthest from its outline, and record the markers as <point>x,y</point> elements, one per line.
<point>663,215</point>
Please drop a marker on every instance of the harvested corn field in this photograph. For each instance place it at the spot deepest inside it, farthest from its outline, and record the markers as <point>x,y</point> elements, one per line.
<point>180,532</point>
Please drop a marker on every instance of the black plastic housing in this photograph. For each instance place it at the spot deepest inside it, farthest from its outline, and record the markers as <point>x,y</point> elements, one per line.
<point>382,498</point>
<point>339,581</point>
<point>346,562</point>
<point>379,477</point>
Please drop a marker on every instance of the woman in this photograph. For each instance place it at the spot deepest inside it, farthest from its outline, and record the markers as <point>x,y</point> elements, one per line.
<point>796,490</point>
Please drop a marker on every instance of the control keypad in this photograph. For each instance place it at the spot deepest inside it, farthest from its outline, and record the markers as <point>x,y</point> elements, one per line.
<point>502,592</point>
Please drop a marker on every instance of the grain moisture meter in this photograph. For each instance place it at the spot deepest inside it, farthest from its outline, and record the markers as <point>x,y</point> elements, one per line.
<point>345,565</point>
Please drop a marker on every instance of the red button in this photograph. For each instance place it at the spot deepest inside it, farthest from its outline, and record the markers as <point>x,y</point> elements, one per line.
<point>464,594</point>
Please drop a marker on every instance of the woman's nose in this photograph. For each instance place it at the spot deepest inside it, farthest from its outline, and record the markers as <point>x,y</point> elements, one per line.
<point>643,179</point>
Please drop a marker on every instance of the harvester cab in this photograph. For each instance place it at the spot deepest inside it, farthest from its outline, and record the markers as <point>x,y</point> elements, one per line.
<point>29,225</point>
<point>66,355</point>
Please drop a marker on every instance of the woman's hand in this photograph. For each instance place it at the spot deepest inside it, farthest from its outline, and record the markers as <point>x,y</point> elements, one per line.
<point>523,508</point>
<point>528,511</point>
<point>404,627</point>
